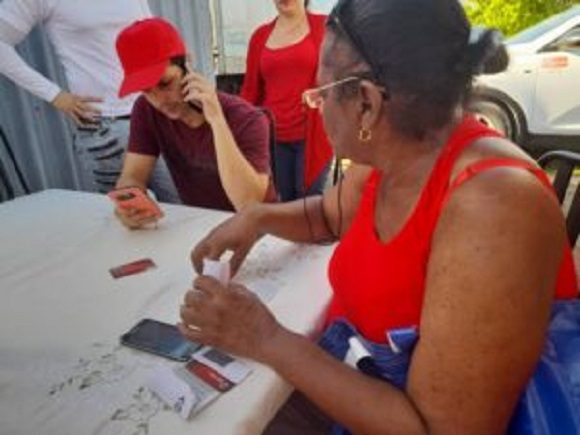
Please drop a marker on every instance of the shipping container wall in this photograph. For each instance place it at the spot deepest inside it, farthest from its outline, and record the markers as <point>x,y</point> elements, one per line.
<point>236,20</point>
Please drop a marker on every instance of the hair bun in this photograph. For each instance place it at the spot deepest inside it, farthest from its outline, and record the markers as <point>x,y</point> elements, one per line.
<point>486,53</point>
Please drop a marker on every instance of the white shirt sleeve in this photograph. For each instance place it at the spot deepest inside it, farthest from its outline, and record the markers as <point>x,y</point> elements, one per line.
<point>17,18</point>
<point>146,9</point>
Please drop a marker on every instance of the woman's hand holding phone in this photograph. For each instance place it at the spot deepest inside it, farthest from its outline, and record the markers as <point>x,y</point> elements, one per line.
<point>200,92</point>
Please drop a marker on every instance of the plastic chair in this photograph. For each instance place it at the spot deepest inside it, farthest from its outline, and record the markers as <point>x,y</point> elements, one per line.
<point>564,163</point>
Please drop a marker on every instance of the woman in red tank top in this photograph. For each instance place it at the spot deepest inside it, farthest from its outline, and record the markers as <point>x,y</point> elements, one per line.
<point>445,228</point>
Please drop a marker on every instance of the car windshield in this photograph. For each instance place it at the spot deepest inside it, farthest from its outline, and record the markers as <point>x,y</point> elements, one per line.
<point>533,32</point>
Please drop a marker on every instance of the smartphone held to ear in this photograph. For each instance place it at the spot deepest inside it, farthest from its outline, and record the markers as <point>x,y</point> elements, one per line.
<point>195,105</point>
<point>135,198</point>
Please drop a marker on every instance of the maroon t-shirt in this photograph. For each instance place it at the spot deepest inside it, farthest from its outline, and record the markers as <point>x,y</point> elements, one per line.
<point>190,152</point>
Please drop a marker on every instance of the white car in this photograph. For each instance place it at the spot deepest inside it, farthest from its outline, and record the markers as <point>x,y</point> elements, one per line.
<point>536,101</point>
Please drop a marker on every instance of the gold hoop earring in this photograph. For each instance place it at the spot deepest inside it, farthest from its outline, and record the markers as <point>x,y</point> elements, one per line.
<point>364,134</point>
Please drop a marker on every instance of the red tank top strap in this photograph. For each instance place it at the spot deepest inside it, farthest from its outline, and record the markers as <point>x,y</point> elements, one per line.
<point>469,131</point>
<point>482,165</point>
<point>566,285</point>
<point>464,135</point>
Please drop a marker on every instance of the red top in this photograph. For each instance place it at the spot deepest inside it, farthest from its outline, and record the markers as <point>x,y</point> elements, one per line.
<point>380,286</point>
<point>317,151</point>
<point>190,152</point>
<point>287,72</point>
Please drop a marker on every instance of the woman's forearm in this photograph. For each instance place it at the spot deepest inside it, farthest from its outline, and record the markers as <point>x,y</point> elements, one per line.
<point>301,220</point>
<point>362,404</point>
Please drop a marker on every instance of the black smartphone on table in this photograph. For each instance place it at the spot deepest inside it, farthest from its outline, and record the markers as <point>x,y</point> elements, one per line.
<point>160,339</point>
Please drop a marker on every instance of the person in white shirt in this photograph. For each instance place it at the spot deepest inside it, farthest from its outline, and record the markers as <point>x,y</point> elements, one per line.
<point>83,33</point>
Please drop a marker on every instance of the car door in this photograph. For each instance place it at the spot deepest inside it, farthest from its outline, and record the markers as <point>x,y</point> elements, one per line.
<point>557,102</point>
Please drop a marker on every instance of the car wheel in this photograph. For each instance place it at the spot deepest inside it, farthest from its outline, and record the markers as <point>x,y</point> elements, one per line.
<point>498,117</point>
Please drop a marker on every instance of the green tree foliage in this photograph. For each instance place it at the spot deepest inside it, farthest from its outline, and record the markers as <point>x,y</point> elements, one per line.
<point>511,16</point>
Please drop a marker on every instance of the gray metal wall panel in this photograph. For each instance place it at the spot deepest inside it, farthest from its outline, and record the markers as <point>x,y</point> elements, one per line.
<point>193,19</point>
<point>42,138</point>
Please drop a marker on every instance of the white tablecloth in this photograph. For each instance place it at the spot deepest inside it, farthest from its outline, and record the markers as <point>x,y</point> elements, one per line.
<point>62,370</point>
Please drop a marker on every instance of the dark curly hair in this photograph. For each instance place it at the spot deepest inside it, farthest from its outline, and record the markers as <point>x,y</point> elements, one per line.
<point>423,52</point>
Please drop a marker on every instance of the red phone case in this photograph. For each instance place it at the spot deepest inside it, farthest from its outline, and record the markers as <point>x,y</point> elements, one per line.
<point>133,197</point>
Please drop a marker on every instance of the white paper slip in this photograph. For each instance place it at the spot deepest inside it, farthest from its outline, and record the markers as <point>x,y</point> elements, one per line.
<point>203,392</point>
<point>220,270</point>
<point>173,390</point>
<point>226,365</point>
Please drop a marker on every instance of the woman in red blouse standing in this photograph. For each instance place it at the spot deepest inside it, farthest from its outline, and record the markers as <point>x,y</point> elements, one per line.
<point>281,63</point>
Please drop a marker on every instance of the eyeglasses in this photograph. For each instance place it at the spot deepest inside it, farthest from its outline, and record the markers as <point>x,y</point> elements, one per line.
<point>314,97</point>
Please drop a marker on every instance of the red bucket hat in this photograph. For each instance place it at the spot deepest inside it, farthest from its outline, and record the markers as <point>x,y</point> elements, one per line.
<point>144,49</point>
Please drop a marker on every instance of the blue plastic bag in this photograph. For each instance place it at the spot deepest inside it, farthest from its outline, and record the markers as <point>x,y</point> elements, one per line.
<point>550,405</point>
<point>551,402</point>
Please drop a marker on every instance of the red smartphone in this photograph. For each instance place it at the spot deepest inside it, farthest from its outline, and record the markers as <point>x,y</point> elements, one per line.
<point>134,197</point>
<point>131,268</point>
